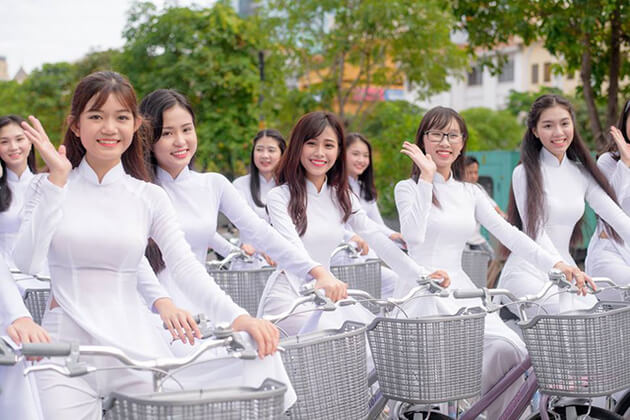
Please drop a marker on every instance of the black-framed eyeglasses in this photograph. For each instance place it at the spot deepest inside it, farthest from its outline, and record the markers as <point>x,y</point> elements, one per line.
<point>436,136</point>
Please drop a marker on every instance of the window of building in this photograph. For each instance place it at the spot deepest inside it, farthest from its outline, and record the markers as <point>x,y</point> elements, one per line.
<point>534,74</point>
<point>475,76</point>
<point>547,72</point>
<point>507,71</point>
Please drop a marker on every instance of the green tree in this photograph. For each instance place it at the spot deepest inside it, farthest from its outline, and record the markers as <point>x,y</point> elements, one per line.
<point>387,125</point>
<point>346,47</point>
<point>209,55</point>
<point>589,35</point>
<point>492,130</point>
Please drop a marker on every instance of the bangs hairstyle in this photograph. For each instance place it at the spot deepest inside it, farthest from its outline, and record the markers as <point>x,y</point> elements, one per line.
<point>152,109</point>
<point>254,179</point>
<point>366,179</point>
<point>622,125</point>
<point>5,192</point>
<point>530,159</point>
<point>291,172</point>
<point>439,118</point>
<point>97,87</point>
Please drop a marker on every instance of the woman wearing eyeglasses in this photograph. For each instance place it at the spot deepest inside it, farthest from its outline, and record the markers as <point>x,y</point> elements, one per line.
<point>438,213</point>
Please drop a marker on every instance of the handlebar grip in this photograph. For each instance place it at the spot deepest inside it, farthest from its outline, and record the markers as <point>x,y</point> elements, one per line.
<point>46,349</point>
<point>468,293</point>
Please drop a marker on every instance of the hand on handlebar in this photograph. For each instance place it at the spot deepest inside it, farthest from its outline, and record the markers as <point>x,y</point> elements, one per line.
<point>334,288</point>
<point>582,280</point>
<point>179,322</point>
<point>443,275</point>
<point>25,330</point>
<point>362,246</point>
<point>248,249</point>
<point>264,333</point>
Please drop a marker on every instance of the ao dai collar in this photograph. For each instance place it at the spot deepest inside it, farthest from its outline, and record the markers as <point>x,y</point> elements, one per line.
<point>13,177</point>
<point>113,175</point>
<point>164,177</point>
<point>312,189</point>
<point>549,159</point>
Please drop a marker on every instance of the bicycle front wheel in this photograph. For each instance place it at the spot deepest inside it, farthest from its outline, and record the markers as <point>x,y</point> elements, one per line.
<point>578,412</point>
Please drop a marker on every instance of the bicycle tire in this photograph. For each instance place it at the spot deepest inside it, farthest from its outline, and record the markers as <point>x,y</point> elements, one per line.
<point>623,406</point>
<point>400,411</point>
<point>596,413</point>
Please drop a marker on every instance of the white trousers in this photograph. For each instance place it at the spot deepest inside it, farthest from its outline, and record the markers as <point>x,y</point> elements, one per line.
<point>18,394</point>
<point>80,398</point>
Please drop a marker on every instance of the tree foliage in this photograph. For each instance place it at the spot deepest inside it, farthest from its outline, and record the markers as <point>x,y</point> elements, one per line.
<point>339,49</point>
<point>589,35</point>
<point>492,130</point>
<point>209,55</point>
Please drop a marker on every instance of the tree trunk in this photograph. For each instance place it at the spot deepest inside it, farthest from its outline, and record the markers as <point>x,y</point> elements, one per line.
<point>340,77</point>
<point>615,66</point>
<point>589,95</point>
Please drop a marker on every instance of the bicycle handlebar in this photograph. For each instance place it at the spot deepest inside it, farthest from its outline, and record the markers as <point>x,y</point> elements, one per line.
<point>35,276</point>
<point>237,253</point>
<point>240,349</point>
<point>46,349</point>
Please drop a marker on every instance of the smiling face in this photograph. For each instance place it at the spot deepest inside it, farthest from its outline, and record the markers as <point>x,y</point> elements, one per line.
<point>267,154</point>
<point>555,130</point>
<point>444,152</point>
<point>178,142</point>
<point>357,158</point>
<point>105,132</point>
<point>319,155</point>
<point>14,148</point>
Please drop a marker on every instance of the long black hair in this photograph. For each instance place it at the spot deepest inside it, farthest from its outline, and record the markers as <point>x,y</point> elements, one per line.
<point>530,159</point>
<point>254,179</point>
<point>366,179</point>
<point>5,192</point>
<point>152,109</point>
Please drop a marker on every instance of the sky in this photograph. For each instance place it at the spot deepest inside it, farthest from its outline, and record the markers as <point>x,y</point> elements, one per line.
<point>34,32</point>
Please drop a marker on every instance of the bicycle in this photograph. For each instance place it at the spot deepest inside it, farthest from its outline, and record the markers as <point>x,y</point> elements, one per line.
<point>244,286</point>
<point>623,405</point>
<point>444,362</point>
<point>329,362</point>
<point>264,402</point>
<point>35,290</point>
<point>568,385</point>
<point>475,260</point>
<point>358,273</point>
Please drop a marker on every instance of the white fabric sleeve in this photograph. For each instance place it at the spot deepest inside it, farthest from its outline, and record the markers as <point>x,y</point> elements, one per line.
<point>618,174</point>
<point>149,285</point>
<point>264,237</point>
<point>41,215</point>
<point>515,240</point>
<point>277,206</point>
<point>371,231</point>
<point>519,186</point>
<point>607,209</point>
<point>242,186</point>
<point>190,274</point>
<point>413,202</point>
<point>11,304</point>
<point>371,208</point>
<point>221,245</point>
